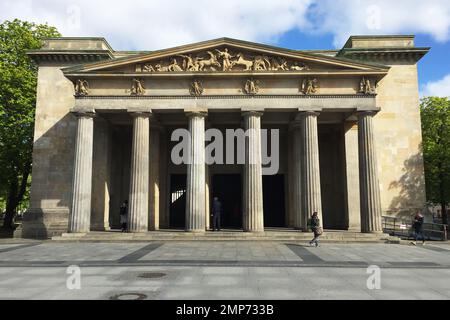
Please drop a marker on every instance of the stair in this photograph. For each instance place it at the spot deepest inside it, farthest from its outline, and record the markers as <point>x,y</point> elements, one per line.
<point>272,235</point>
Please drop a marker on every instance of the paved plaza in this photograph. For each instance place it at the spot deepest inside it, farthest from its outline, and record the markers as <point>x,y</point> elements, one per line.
<point>222,270</point>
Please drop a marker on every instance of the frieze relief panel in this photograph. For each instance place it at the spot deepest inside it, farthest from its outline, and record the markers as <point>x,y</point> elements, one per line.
<point>302,85</point>
<point>222,60</point>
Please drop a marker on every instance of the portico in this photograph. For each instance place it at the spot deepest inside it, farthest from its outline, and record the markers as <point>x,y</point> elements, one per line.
<point>123,113</point>
<point>302,178</point>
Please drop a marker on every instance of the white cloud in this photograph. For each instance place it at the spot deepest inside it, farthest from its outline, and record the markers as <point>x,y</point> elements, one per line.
<point>343,18</point>
<point>440,88</point>
<point>155,24</point>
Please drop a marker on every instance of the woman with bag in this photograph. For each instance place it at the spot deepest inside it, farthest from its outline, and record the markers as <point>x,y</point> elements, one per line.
<point>314,224</point>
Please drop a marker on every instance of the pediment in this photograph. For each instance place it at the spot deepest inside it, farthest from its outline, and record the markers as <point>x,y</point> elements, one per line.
<point>226,56</point>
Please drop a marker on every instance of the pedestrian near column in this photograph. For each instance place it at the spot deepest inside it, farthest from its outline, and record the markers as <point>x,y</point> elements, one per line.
<point>124,215</point>
<point>314,225</point>
<point>216,212</point>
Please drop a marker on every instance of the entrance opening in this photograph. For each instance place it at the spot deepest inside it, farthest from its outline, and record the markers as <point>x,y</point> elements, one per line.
<point>178,201</point>
<point>274,201</point>
<point>332,176</point>
<point>228,188</point>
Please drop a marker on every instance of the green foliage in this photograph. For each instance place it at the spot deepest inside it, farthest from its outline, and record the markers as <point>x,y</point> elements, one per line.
<point>435,113</point>
<point>18,79</point>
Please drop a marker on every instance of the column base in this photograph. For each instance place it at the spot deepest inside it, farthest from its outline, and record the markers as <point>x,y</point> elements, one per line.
<point>73,234</point>
<point>195,231</point>
<point>373,232</point>
<point>43,223</point>
<point>100,227</point>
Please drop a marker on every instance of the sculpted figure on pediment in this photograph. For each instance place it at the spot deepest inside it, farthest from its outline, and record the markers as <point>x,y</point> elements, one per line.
<point>296,66</point>
<point>189,63</point>
<point>279,64</point>
<point>174,67</point>
<point>241,61</point>
<point>226,59</point>
<point>212,63</point>
<point>149,68</point>
<point>261,63</point>
<point>161,68</point>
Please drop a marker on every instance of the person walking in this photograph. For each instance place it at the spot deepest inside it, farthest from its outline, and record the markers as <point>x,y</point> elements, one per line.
<point>216,212</point>
<point>124,215</point>
<point>418,228</point>
<point>314,225</point>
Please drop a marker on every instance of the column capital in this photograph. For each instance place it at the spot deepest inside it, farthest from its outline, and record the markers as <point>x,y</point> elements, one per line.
<point>140,114</point>
<point>198,114</point>
<point>302,114</point>
<point>83,113</point>
<point>252,113</point>
<point>366,113</point>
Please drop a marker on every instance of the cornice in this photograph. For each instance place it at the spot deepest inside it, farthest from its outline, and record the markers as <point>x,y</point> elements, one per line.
<point>247,97</point>
<point>384,54</point>
<point>79,57</point>
<point>209,74</point>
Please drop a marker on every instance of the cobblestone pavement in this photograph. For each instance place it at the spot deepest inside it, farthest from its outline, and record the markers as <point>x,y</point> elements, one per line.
<point>223,270</point>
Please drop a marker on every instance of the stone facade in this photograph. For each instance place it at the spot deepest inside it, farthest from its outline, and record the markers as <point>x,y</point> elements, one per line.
<point>349,123</point>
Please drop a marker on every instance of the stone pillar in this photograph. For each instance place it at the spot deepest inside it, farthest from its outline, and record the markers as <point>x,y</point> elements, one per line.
<point>253,191</point>
<point>101,180</point>
<point>310,173</point>
<point>154,186</point>
<point>368,175</point>
<point>195,186</point>
<point>353,215</point>
<point>300,221</point>
<point>80,216</point>
<point>208,199</point>
<point>164,181</point>
<point>139,175</point>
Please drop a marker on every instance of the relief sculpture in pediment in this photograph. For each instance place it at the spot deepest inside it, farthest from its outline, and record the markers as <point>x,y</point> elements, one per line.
<point>224,60</point>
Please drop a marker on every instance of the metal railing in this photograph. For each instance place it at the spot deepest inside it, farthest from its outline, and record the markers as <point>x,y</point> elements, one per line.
<point>404,229</point>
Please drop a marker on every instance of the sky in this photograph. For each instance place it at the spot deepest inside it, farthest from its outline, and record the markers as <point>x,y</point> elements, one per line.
<point>293,24</point>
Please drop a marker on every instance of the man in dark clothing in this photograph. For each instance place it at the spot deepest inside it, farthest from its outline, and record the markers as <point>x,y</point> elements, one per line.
<point>418,228</point>
<point>216,212</point>
<point>124,215</point>
<point>314,225</point>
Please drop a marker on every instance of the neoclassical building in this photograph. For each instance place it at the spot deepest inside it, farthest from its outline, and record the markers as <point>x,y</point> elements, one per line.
<point>347,124</point>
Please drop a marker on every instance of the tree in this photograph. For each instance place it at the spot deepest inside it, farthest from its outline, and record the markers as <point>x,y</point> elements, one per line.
<point>18,80</point>
<point>435,113</point>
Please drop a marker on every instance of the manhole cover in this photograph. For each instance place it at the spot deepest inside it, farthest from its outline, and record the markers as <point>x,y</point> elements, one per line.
<point>129,296</point>
<point>151,275</point>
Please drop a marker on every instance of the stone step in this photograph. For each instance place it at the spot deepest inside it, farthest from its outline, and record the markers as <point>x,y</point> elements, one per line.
<point>221,236</point>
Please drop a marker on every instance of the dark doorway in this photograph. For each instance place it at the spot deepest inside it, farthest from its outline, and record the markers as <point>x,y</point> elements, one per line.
<point>178,201</point>
<point>227,187</point>
<point>332,176</point>
<point>274,201</point>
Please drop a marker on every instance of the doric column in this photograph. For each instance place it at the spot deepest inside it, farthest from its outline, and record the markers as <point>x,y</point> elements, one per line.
<point>310,173</point>
<point>253,191</point>
<point>139,176</point>
<point>368,175</point>
<point>82,177</point>
<point>296,180</point>
<point>154,186</point>
<point>196,190</point>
